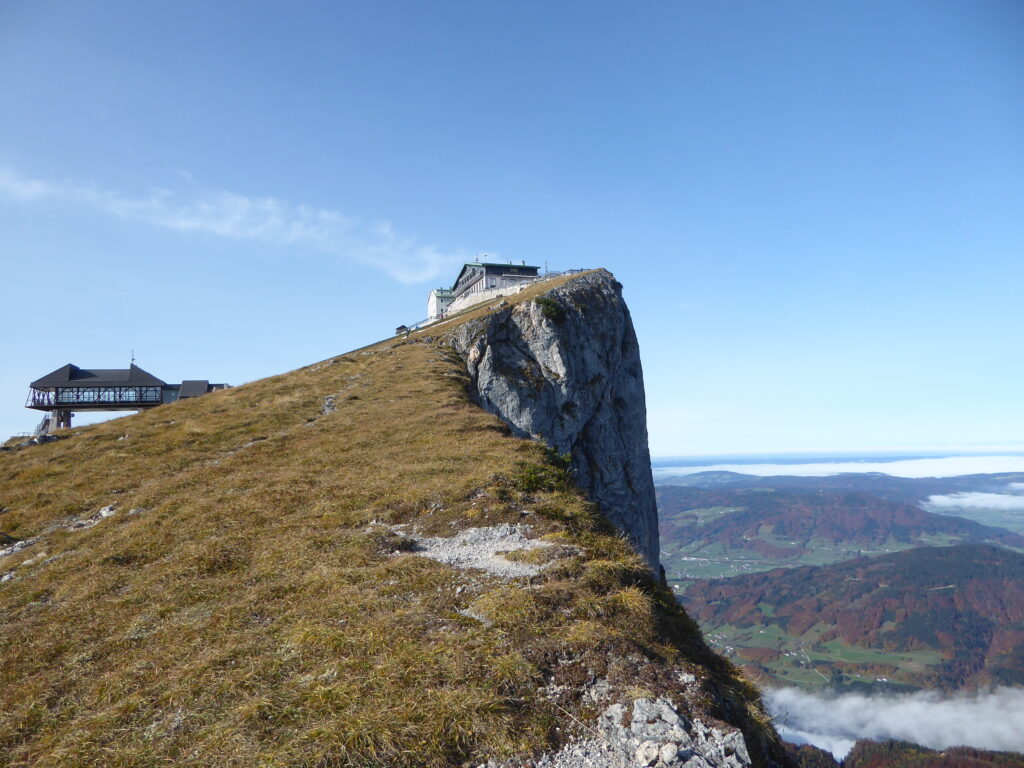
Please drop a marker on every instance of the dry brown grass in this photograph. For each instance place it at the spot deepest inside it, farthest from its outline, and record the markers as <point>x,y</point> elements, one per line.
<point>251,613</point>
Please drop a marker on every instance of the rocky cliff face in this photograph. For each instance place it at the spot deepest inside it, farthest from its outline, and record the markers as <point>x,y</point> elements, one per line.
<point>565,368</point>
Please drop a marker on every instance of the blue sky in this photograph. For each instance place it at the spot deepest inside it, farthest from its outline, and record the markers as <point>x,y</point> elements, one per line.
<point>817,209</point>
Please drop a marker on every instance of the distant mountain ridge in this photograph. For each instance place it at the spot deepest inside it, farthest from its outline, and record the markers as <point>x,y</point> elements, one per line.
<point>900,754</point>
<point>909,490</point>
<point>785,524</point>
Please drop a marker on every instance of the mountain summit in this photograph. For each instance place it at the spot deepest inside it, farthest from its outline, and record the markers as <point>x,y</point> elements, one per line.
<point>356,564</point>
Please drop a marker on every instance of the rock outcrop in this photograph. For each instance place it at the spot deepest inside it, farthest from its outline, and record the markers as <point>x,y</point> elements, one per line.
<point>565,368</point>
<point>652,734</point>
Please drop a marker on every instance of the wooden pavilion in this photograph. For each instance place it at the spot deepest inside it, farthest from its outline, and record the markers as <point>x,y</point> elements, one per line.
<point>70,388</point>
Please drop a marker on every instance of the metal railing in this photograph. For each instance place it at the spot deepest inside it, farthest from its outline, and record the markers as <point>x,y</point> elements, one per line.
<point>565,272</point>
<point>69,397</point>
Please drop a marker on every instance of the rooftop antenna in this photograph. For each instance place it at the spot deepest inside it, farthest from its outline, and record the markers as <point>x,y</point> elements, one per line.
<point>133,356</point>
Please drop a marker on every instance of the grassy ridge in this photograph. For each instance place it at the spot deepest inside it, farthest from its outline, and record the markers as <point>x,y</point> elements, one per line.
<point>248,605</point>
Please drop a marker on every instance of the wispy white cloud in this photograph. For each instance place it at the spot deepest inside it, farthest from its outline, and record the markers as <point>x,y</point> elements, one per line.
<point>992,720</point>
<point>975,501</point>
<point>264,219</point>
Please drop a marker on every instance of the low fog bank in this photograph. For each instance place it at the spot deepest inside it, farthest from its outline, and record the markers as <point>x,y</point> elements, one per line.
<point>993,720</point>
<point>975,500</point>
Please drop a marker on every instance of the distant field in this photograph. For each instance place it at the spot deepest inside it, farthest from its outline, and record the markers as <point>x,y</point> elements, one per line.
<point>1010,519</point>
<point>685,563</point>
<point>808,663</point>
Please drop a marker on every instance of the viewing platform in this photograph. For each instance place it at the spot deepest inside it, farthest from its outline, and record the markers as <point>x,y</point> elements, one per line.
<point>70,388</point>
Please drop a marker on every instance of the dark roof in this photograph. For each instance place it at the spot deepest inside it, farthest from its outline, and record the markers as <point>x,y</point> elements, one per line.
<point>73,376</point>
<point>193,388</point>
<point>486,264</point>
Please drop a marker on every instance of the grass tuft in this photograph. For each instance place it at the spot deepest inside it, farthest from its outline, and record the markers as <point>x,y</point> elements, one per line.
<point>551,309</point>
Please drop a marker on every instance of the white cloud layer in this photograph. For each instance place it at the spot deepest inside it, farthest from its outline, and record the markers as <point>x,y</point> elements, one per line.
<point>992,720</point>
<point>947,466</point>
<point>265,219</point>
<point>975,501</point>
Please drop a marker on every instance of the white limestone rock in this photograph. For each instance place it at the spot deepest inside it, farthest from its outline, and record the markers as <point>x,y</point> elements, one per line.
<point>565,369</point>
<point>18,546</point>
<point>480,548</point>
<point>652,735</point>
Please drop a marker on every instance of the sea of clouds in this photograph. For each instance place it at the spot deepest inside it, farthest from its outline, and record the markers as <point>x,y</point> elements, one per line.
<point>992,720</point>
<point>945,466</point>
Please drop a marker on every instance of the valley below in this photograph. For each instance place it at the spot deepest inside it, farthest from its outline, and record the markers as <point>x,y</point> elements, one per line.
<point>864,592</point>
<point>857,581</point>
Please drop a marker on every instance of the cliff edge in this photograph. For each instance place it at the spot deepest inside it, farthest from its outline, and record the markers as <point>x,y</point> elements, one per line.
<point>565,368</point>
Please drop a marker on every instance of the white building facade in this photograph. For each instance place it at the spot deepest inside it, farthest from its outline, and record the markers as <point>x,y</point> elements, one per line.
<point>438,302</point>
<point>479,281</point>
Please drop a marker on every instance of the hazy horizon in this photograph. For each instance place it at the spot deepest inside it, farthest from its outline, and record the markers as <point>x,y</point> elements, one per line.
<point>908,467</point>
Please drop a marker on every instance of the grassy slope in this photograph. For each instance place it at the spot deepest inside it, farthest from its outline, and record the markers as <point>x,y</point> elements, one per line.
<point>252,613</point>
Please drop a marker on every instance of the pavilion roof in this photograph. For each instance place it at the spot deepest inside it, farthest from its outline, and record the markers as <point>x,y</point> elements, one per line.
<point>71,375</point>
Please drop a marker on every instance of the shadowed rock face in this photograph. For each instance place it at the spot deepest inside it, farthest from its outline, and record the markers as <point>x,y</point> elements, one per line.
<point>565,369</point>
